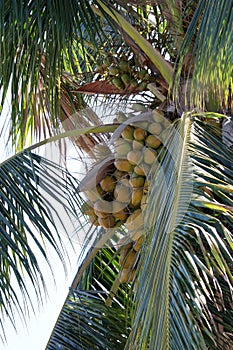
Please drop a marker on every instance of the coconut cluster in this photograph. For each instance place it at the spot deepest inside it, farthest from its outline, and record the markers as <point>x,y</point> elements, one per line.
<point>124,73</point>
<point>129,258</point>
<point>120,197</point>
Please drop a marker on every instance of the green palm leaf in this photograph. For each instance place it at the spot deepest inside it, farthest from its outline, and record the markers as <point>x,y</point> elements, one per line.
<point>85,321</point>
<point>38,202</point>
<point>186,271</point>
<point>40,40</point>
<point>29,225</point>
<point>209,41</point>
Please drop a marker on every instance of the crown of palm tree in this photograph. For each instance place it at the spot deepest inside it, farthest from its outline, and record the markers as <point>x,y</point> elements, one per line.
<point>181,296</point>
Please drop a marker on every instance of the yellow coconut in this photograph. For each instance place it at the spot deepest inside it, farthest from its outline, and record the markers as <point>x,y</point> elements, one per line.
<point>152,141</point>
<point>118,206</point>
<point>122,193</point>
<point>103,207</point>
<point>107,222</point>
<point>119,174</point>
<point>139,170</point>
<point>134,157</point>
<point>124,275</point>
<point>124,182</point>
<point>87,208</point>
<point>127,258</point>
<point>136,234</point>
<point>136,197</point>
<point>100,191</point>
<point>94,220</point>
<point>122,147</point>
<point>101,214</point>
<point>137,245</point>
<point>128,133</point>
<point>155,128</point>
<point>121,215</point>
<point>146,168</point>
<point>139,134</point>
<point>137,145</point>
<point>132,275</point>
<point>130,222</point>
<point>89,211</point>
<point>137,181</point>
<point>108,183</point>
<point>135,224</point>
<point>119,210</point>
<point>123,165</point>
<point>149,156</point>
<point>158,116</point>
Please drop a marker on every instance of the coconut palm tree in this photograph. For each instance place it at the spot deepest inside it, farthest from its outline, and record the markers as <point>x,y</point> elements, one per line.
<point>174,57</point>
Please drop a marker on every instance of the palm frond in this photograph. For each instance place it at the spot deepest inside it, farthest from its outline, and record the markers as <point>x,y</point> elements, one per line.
<point>208,41</point>
<point>156,58</point>
<point>34,192</point>
<point>86,321</point>
<point>185,295</point>
<point>151,21</point>
<point>40,40</point>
